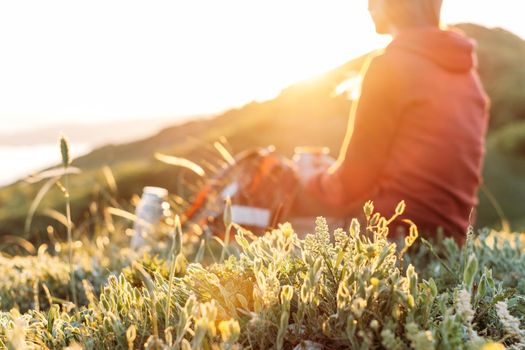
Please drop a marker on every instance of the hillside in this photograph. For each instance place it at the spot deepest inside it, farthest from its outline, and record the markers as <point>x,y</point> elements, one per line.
<point>501,56</point>
<point>306,113</point>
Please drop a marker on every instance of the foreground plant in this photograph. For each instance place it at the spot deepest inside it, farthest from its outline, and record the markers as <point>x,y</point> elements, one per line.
<point>326,291</point>
<point>64,150</point>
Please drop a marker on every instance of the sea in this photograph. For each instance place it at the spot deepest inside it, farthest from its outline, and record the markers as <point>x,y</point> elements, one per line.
<point>18,162</point>
<point>27,150</point>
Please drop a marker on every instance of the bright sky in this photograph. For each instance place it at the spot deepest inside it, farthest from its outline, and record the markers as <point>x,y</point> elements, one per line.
<point>102,59</point>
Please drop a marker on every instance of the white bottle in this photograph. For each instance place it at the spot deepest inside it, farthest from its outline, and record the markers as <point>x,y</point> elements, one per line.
<point>149,212</point>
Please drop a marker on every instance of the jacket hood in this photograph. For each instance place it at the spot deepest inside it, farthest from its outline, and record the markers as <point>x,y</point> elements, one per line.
<point>449,49</point>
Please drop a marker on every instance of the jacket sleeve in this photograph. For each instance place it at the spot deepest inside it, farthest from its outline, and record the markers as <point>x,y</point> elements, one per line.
<point>371,129</point>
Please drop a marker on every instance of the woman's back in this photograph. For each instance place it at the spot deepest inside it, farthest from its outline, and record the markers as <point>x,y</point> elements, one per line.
<point>417,133</point>
<point>440,112</point>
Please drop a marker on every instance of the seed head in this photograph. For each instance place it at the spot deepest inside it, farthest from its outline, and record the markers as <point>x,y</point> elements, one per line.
<point>64,150</point>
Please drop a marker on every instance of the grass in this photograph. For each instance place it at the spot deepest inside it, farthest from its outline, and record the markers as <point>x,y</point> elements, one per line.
<point>333,290</point>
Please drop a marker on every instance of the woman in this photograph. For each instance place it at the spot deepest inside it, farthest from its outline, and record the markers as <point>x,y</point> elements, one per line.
<point>417,132</point>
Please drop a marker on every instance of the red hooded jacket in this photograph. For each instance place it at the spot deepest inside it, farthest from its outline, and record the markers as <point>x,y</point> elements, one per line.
<point>417,134</point>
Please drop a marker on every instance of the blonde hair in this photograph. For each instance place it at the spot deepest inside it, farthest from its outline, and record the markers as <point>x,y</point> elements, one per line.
<point>413,13</point>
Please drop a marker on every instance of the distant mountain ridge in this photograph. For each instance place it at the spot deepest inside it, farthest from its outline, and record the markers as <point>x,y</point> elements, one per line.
<point>93,133</point>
